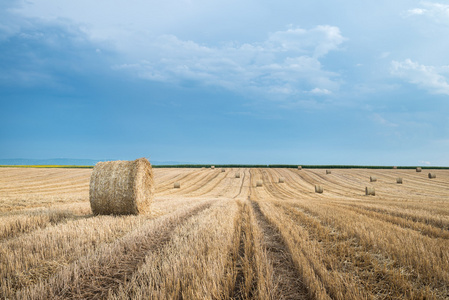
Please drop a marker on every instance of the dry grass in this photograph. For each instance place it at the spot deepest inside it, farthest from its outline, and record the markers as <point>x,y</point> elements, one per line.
<point>220,237</point>
<point>121,187</point>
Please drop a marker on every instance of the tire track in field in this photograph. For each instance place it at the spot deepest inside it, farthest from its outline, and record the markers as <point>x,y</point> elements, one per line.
<point>95,279</point>
<point>402,222</point>
<point>167,186</point>
<point>287,278</point>
<point>209,186</point>
<point>441,223</point>
<point>241,185</point>
<point>193,184</point>
<point>365,269</point>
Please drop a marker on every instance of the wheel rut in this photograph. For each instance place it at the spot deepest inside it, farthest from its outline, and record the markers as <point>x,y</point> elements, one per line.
<point>109,272</point>
<point>287,278</point>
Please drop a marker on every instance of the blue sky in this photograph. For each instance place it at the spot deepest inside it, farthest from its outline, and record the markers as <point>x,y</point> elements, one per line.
<point>301,82</point>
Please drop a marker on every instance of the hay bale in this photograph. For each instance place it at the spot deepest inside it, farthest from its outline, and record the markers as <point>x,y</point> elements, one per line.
<point>372,179</point>
<point>121,187</point>
<point>395,167</point>
<point>432,175</point>
<point>281,179</point>
<point>299,167</point>
<point>259,183</point>
<point>237,175</point>
<point>223,169</point>
<point>177,185</point>
<point>418,169</point>
<point>399,180</point>
<point>328,172</point>
<point>212,167</point>
<point>318,189</point>
<point>369,191</point>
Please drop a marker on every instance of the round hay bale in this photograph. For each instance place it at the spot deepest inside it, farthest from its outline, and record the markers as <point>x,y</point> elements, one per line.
<point>372,179</point>
<point>432,175</point>
<point>177,185</point>
<point>418,169</point>
<point>121,187</point>
<point>328,172</point>
<point>223,169</point>
<point>395,167</point>
<point>299,167</point>
<point>212,167</point>
<point>281,179</point>
<point>259,183</point>
<point>369,191</point>
<point>237,175</point>
<point>318,189</point>
<point>399,180</point>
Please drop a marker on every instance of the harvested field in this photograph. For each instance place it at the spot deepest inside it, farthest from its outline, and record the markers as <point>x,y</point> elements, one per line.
<point>221,237</point>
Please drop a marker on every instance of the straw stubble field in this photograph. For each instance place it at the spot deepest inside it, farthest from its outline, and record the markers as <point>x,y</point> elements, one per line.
<point>221,237</point>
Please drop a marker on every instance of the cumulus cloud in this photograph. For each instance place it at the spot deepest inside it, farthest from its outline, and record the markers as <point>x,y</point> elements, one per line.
<point>427,77</point>
<point>286,63</point>
<point>437,12</point>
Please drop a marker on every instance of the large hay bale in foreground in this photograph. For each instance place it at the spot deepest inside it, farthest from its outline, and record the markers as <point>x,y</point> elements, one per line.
<point>418,169</point>
<point>223,169</point>
<point>237,175</point>
<point>318,189</point>
<point>299,167</point>
<point>328,172</point>
<point>399,180</point>
<point>281,179</point>
<point>212,167</point>
<point>176,185</point>
<point>372,179</point>
<point>395,167</point>
<point>259,183</point>
<point>369,191</point>
<point>432,175</point>
<point>121,187</point>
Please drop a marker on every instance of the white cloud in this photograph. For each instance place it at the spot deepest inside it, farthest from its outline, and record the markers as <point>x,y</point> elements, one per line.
<point>318,91</point>
<point>416,11</point>
<point>437,12</point>
<point>426,77</point>
<point>287,63</point>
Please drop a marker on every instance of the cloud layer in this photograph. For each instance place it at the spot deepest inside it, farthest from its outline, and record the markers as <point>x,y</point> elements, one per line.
<point>286,63</point>
<point>432,79</point>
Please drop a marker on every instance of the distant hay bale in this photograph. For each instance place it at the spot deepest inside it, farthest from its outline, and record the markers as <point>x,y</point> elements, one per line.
<point>121,187</point>
<point>177,185</point>
<point>395,167</point>
<point>432,175</point>
<point>259,183</point>
<point>237,175</point>
<point>372,179</point>
<point>328,172</point>
<point>223,169</point>
<point>299,167</point>
<point>399,180</point>
<point>281,179</point>
<point>418,169</point>
<point>369,191</point>
<point>212,167</point>
<point>318,189</point>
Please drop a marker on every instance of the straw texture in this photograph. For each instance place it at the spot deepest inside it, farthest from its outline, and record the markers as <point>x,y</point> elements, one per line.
<point>121,187</point>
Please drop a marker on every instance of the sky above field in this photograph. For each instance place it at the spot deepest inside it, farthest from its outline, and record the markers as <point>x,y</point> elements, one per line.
<point>201,81</point>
